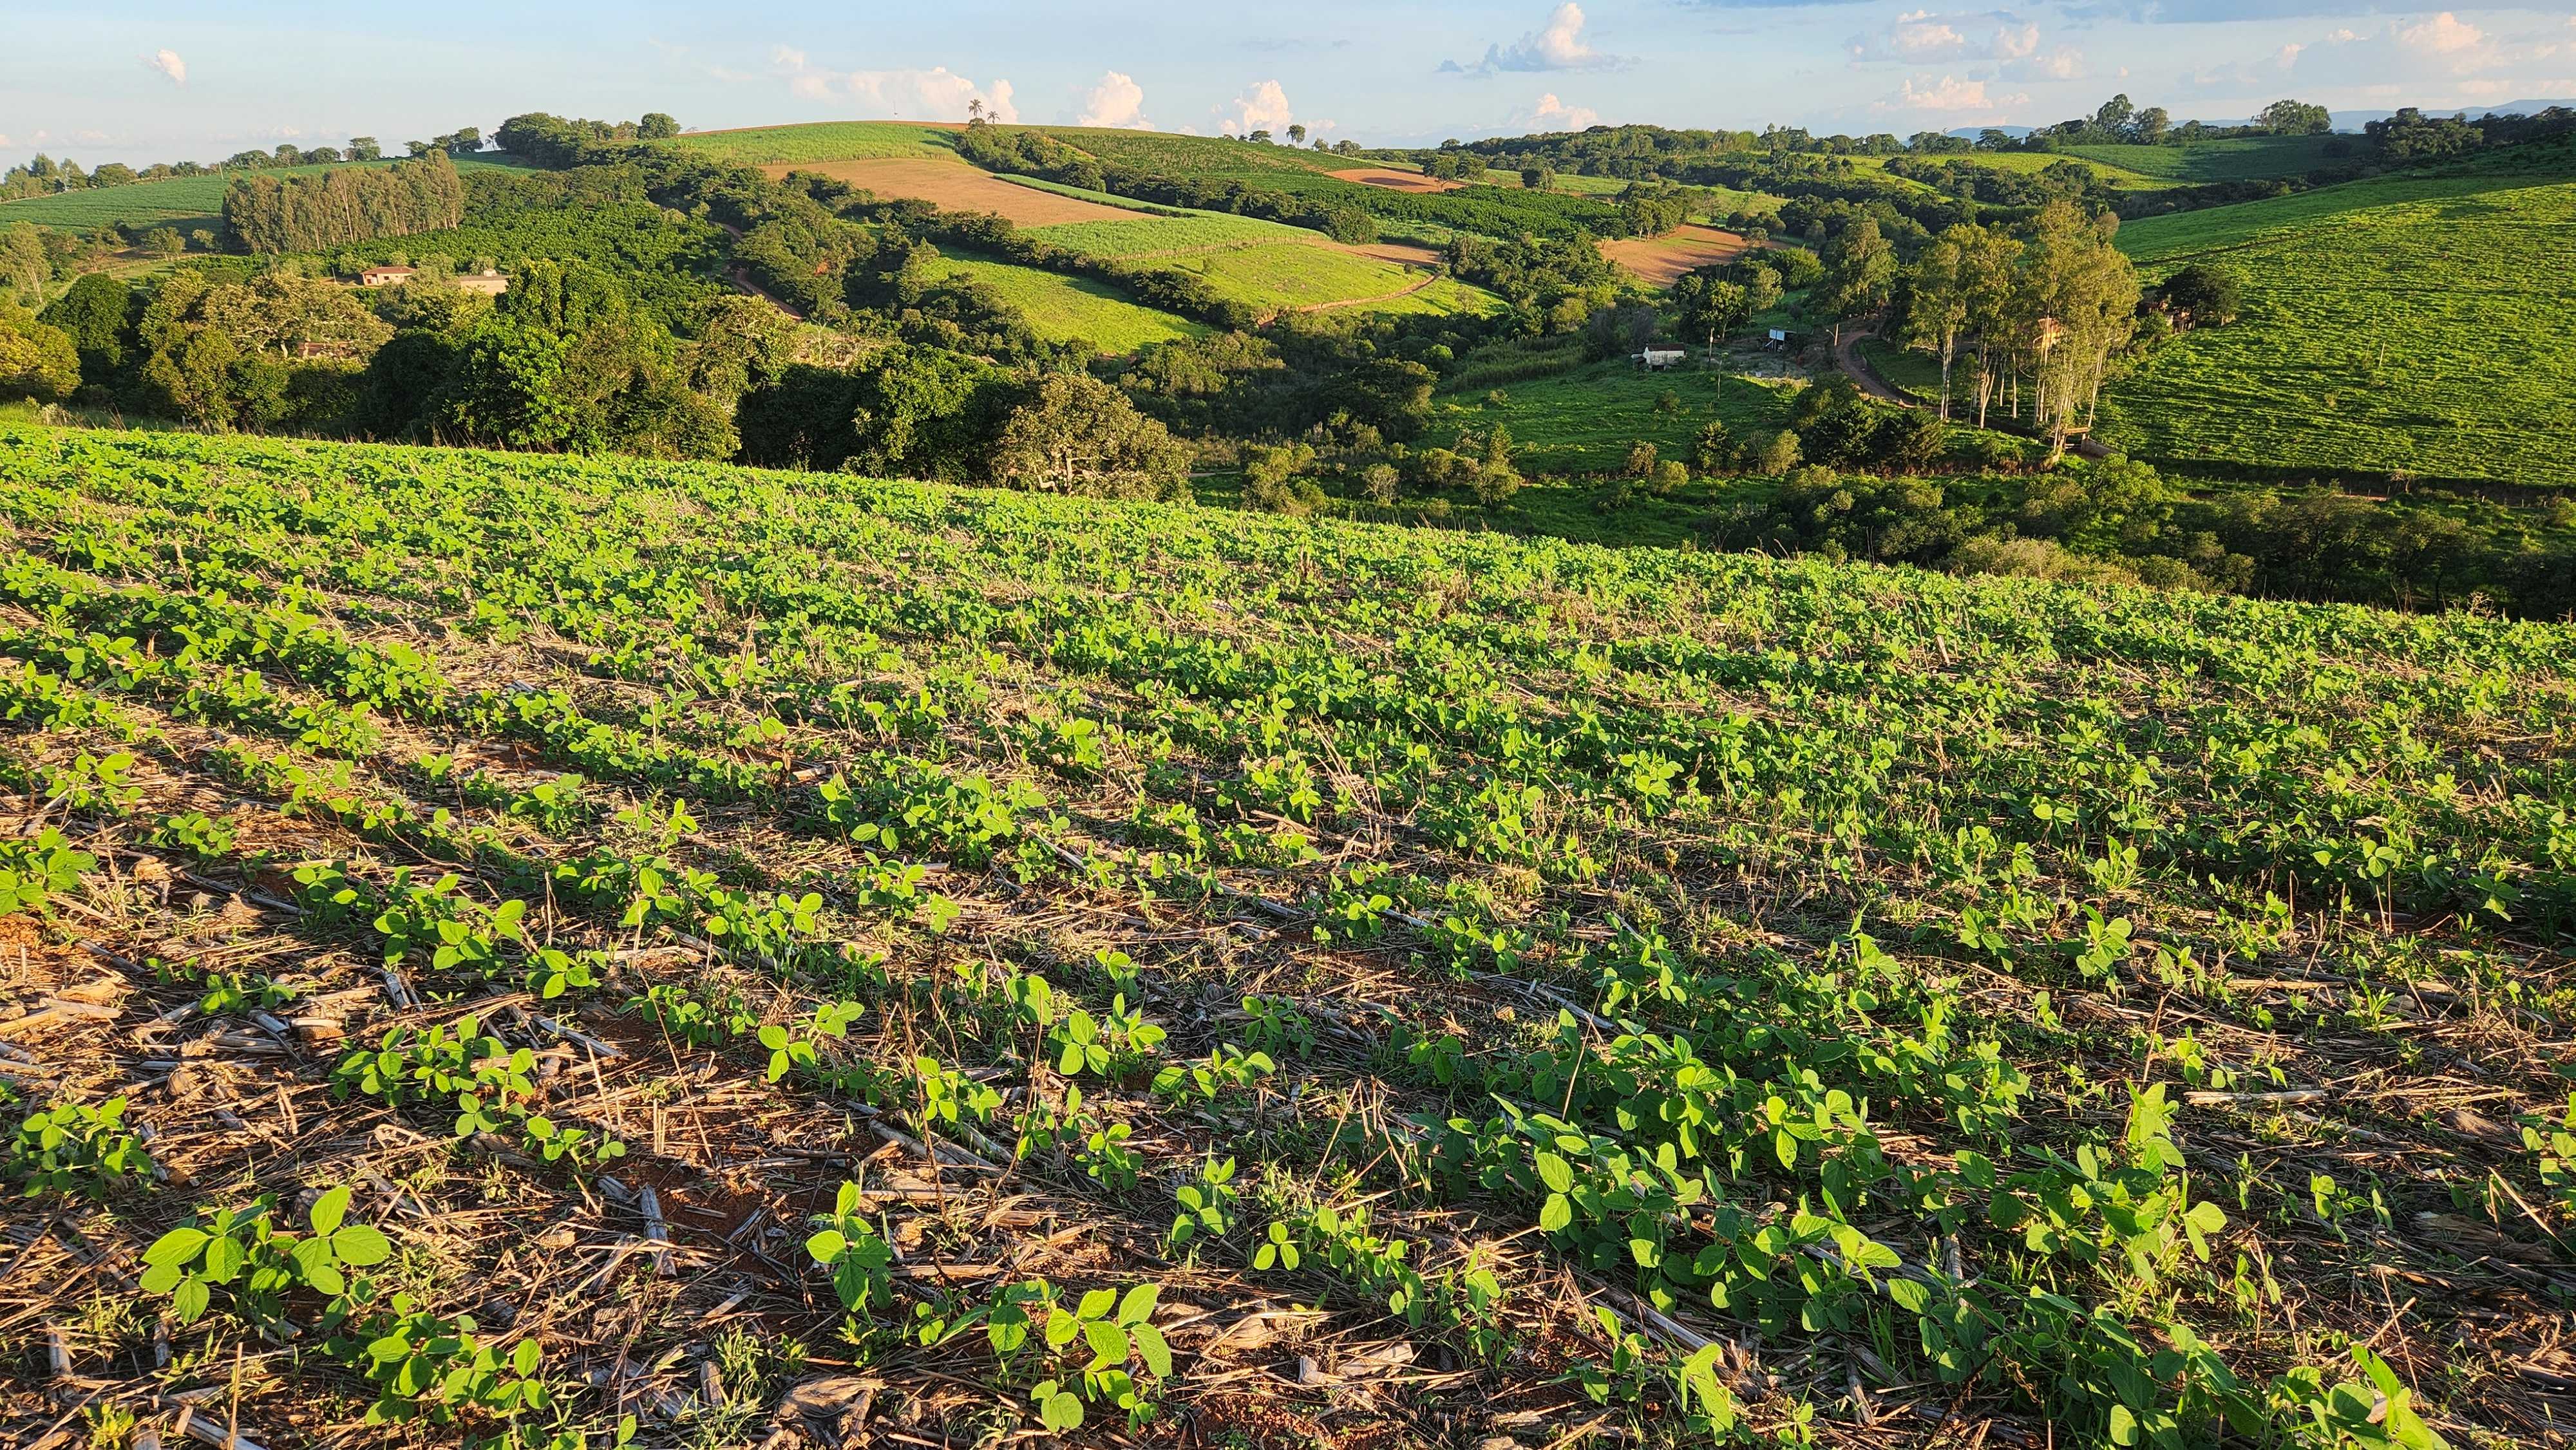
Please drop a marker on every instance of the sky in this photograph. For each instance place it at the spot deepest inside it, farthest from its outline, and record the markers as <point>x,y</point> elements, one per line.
<point>149,81</point>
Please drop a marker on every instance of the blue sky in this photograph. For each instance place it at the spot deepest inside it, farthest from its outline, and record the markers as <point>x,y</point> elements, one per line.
<point>161,81</point>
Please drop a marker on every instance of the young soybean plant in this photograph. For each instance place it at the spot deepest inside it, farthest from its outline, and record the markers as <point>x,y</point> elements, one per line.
<point>244,1252</point>
<point>73,1149</point>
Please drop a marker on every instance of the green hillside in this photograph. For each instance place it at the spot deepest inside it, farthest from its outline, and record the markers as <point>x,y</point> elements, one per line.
<point>2243,158</point>
<point>1769,992</point>
<point>1066,309</point>
<point>817,141</point>
<point>2410,324</point>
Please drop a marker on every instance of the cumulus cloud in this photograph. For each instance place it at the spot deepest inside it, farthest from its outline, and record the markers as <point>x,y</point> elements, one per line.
<point>1560,44</point>
<point>1950,96</point>
<point>1551,114</point>
<point>1117,101</point>
<point>1920,37</point>
<point>2444,34</point>
<point>168,63</point>
<point>1263,107</point>
<point>2065,63</point>
<point>936,94</point>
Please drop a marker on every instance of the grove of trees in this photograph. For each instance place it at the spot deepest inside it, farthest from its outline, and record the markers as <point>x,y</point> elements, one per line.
<point>314,213</point>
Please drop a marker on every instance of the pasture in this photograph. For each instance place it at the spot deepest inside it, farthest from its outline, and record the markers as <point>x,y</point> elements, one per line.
<point>1071,309</point>
<point>820,141</point>
<point>2407,325</point>
<point>1585,419</point>
<point>2245,158</point>
<point>539,943</point>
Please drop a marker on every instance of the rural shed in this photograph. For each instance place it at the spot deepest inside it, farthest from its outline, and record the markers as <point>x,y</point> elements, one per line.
<point>490,284</point>
<point>1656,359</point>
<point>386,276</point>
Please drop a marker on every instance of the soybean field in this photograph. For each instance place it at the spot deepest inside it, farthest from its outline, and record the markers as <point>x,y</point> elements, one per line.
<point>560,952</point>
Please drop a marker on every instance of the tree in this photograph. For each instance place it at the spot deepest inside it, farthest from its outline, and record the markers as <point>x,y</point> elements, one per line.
<point>1860,272</point>
<point>37,360</point>
<point>364,148</point>
<point>164,242</point>
<point>1538,178</point>
<point>1259,138</point>
<point>2151,125</point>
<point>25,267</point>
<point>2114,115</point>
<point>2295,118</point>
<point>1714,448</point>
<point>656,126</point>
<point>465,142</point>
<point>98,315</point>
<point>1709,306</point>
<point>2200,296</point>
<point>419,148</point>
<point>1297,134</point>
<point>2079,298</point>
<point>508,389</point>
<point>1076,434</point>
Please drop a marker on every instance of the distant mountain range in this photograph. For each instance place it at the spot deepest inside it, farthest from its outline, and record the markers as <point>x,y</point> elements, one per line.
<point>2343,120</point>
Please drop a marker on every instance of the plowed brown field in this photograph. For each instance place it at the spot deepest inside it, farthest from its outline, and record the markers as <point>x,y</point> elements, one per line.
<point>956,186</point>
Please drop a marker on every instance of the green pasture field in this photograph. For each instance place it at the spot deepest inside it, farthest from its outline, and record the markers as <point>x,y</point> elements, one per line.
<point>819,141</point>
<point>1206,157</point>
<point>2247,158</point>
<point>2407,324</point>
<point>1189,232</point>
<point>1066,309</point>
<point>185,202</point>
<point>1585,420</point>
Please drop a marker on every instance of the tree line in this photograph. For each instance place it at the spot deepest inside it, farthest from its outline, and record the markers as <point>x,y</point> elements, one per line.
<point>273,214</point>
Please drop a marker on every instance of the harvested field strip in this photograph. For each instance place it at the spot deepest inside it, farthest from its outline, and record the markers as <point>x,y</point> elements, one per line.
<point>1658,261</point>
<point>1067,309</point>
<point>952,185</point>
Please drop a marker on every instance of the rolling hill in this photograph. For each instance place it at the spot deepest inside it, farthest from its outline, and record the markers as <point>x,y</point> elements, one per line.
<point>2409,324</point>
<point>185,202</point>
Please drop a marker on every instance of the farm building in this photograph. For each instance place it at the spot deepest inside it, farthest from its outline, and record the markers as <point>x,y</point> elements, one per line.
<point>386,276</point>
<point>1656,359</point>
<point>489,283</point>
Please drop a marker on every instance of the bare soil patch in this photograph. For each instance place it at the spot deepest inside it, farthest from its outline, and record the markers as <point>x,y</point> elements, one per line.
<point>1409,254</point>
<point>1394,180</point>
<point>956,186</point>
<point>1658,261</point>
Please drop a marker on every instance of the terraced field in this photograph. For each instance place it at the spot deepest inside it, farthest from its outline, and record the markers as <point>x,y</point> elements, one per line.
<point>503,946</point>
<point>2249,158</point>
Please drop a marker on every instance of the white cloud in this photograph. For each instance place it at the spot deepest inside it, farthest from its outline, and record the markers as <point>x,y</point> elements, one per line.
<point>5,141</point>
<point>1558,45</point>
<point>168,63</point>
<point>2444,34</point>
<point>2065,63</point>
<point>1950,95</point>
<point>1117,101</point>
<point>1551,114</point>
<point>1921,37</point>
<point>1263,108</point>
<point>937,94</point>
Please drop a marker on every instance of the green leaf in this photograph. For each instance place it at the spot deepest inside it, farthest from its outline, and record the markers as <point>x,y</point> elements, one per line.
<point>1556,1213</point>
<point>176,1247</point>
<point>1785,1146</point>
<point>1108,1343</point>
<point>2124,1426</point>
<point>1138,1305</point>
<point>1061,1412</point>
<point>329,1209</point>
<point>826,1245</point>
<point>1096,1303</point>
<point>1555,1172</point>
<point>360,1245</point>
<point>190,1299</point>
<point>1158,1355</point>
<point>224,1258</point>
